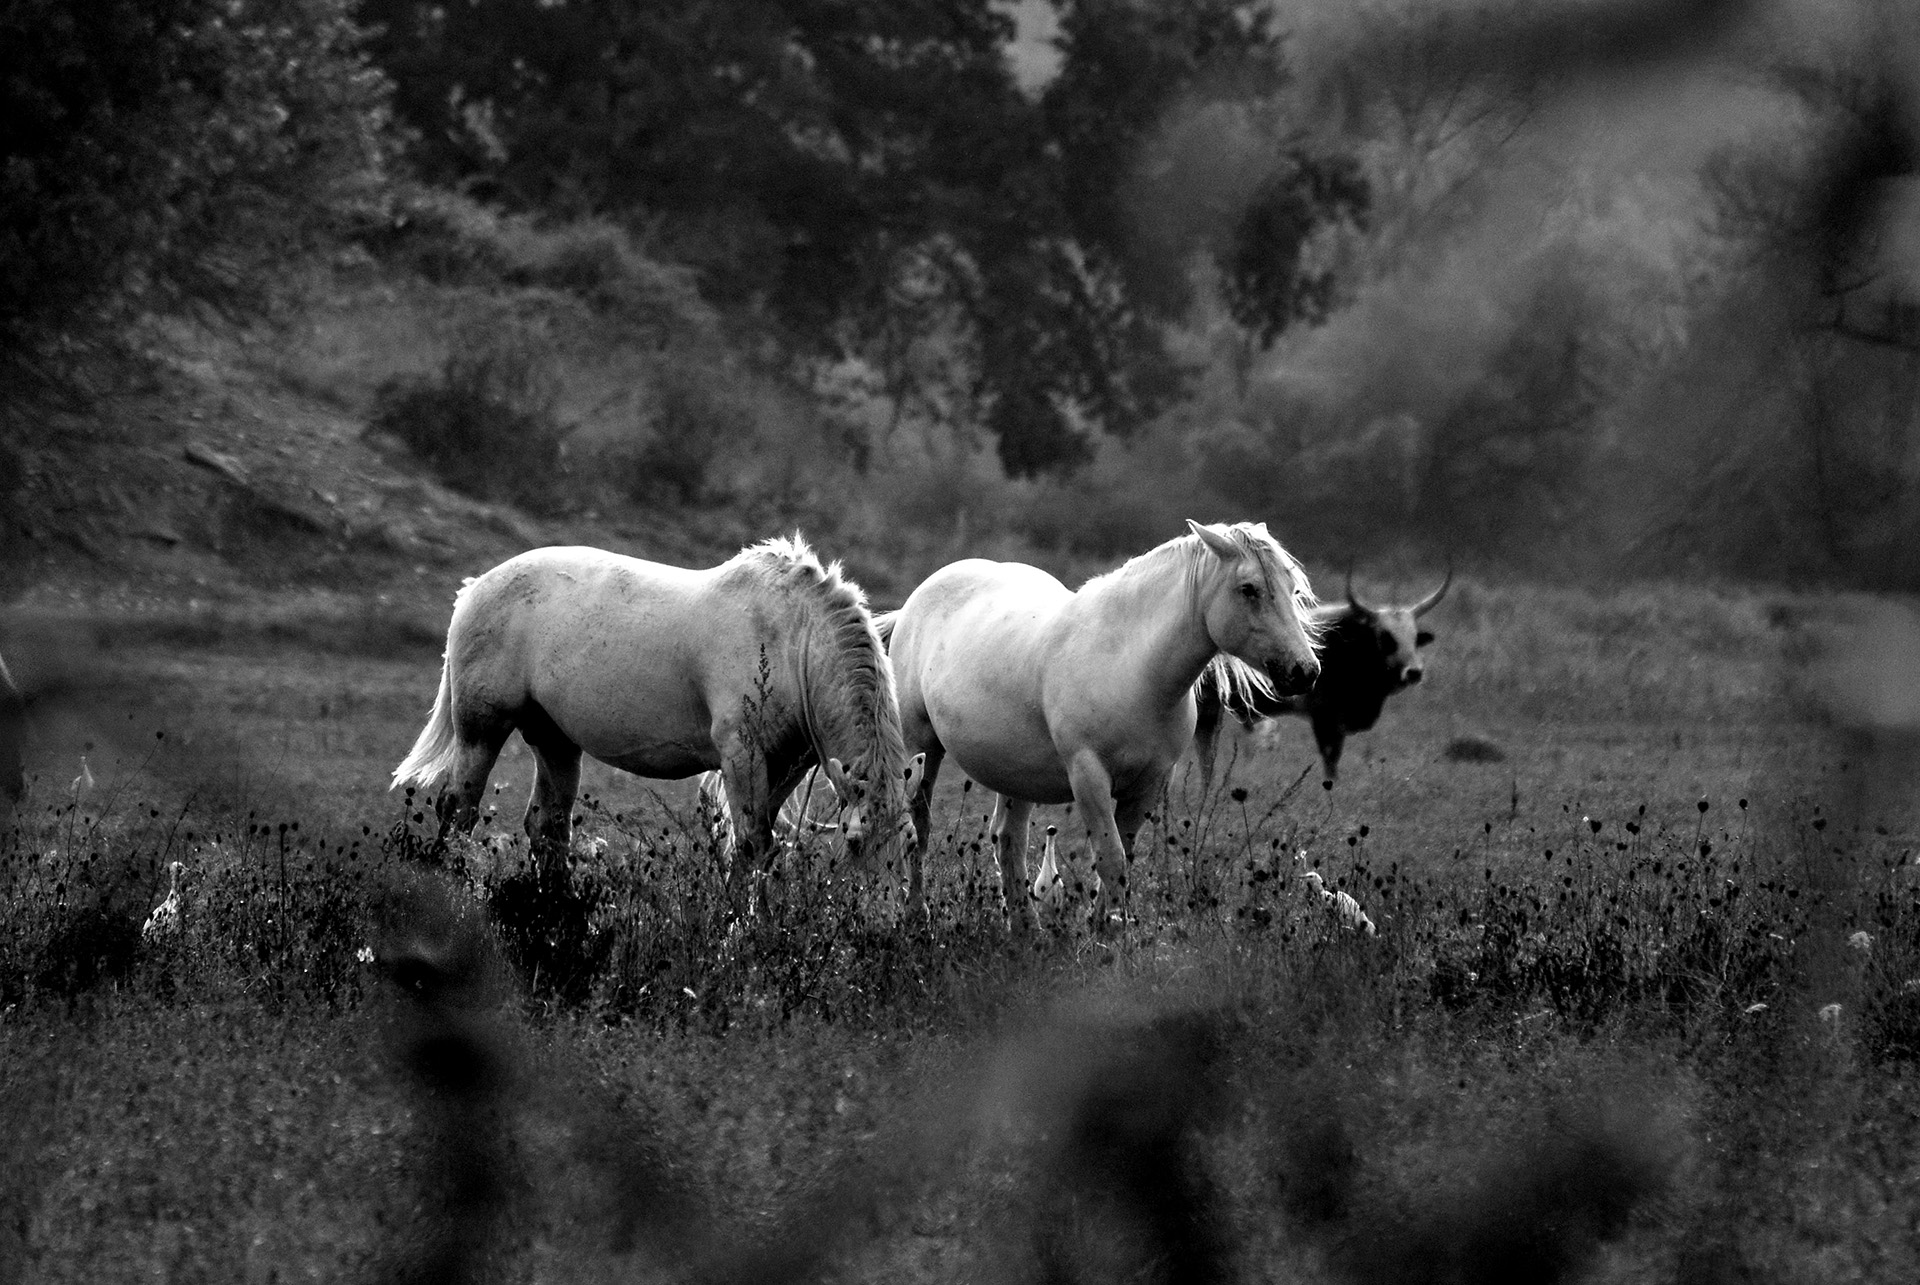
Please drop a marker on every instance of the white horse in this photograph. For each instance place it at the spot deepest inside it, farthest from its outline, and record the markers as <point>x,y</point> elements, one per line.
<point>760,667</point>
<point>1044,695</point>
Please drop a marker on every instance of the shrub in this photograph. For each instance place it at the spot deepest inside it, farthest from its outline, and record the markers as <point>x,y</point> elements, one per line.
<point>487,425</point>
<point>453,240</point>
<point>698,417</point>
<point>546,921</point>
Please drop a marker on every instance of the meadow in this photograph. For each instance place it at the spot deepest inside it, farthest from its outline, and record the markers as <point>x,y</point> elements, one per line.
<point>1643,1003</point>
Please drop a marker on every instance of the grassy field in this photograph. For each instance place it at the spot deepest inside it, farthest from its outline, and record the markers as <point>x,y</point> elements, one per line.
<point>1617,849</point>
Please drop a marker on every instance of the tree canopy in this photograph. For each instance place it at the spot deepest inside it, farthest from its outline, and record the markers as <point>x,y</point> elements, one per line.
<point>162,152</point>
<point>865,174</point>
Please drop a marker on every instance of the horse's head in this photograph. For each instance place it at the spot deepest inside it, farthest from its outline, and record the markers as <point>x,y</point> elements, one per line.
<point>874,814</point>
<point>1256,602</point>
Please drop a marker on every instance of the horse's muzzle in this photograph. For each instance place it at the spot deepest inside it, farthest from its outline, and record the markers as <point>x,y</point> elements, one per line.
<point>1294,678</point>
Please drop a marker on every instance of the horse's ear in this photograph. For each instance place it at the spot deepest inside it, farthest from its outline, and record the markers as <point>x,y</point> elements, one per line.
<point>837,777</point>
<point>916,769</point>
<point>1220,544</point>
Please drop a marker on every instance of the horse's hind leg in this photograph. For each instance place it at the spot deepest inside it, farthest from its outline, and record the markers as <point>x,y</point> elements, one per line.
<point>1010,852</point>
<point>459,804</point>
<point>922,811</point>
<point>556,780</point>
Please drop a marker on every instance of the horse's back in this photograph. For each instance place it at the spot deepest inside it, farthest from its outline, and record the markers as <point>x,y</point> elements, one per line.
<point>581,574</point>
<point>978,621</point>
<point>1010,599</point>
<point>573,599</point>
<point>613,649</point>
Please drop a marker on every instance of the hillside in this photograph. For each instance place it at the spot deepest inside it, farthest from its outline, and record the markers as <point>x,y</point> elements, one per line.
<point>217,485</point>
<point>230,487</point>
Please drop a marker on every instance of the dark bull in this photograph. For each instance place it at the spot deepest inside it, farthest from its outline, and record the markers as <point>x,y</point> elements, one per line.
<point>1366,655</point>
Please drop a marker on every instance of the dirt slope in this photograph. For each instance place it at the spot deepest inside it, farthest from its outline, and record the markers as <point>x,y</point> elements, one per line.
<point>218,487</point>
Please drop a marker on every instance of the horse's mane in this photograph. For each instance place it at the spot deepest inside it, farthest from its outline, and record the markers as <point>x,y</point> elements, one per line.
<point>1236,682</point>
<point>1277,566</point>
<point>840,607</point>
<point>1234,678</point>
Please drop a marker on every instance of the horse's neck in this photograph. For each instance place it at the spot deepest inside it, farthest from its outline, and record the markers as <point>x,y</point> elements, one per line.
<point>827,697</point>
<point>1159,630</point>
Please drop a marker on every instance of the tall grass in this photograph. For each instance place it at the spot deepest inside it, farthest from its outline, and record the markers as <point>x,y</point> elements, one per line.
<point>1589,1037</point>
<point>1692,931</point>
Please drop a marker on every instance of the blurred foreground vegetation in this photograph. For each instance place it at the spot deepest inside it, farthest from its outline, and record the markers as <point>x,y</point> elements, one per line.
<point>1600,292</point>
<point>1641,1003</point>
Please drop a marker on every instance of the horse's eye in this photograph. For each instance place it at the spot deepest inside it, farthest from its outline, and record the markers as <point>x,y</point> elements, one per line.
<point>1251,592</point>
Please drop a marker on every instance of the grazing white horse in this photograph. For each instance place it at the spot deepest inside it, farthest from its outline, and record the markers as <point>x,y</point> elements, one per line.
<point>760,667</point>
<point>1045,695</point>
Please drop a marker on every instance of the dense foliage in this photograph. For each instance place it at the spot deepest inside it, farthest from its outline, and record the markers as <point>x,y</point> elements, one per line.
<point>1355,270</point>
<point>171,153</point>
<point>870,178</point>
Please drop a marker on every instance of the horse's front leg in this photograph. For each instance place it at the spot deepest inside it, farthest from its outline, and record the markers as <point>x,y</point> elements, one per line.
<point>750,802</point>
<point>1130,814</point>
<point>1093,803</point>
<point>1208,720</point>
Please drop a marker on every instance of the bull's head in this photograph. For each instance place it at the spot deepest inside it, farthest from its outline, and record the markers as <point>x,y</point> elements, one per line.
<point>1399,632</point>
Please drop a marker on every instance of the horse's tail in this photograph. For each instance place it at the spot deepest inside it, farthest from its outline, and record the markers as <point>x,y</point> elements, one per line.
<point>883,624</point>
<point>433,753</point>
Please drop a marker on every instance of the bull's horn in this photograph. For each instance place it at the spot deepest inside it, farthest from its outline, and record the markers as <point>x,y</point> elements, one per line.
<point>1352,601</point>
<point>1432,600</point>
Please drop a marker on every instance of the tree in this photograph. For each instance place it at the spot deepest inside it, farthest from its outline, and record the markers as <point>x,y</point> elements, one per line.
<point>849,170</point>
<point>168,153</point>
<point>1816,231</point>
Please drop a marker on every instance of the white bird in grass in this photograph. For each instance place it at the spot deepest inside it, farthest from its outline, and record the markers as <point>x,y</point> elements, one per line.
<point>83,784</point>
<point>1319,885</point>
<point>1341,903</point>
<point>165,919</point>
<point>1049,889</point>
<point>1351,913</point>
